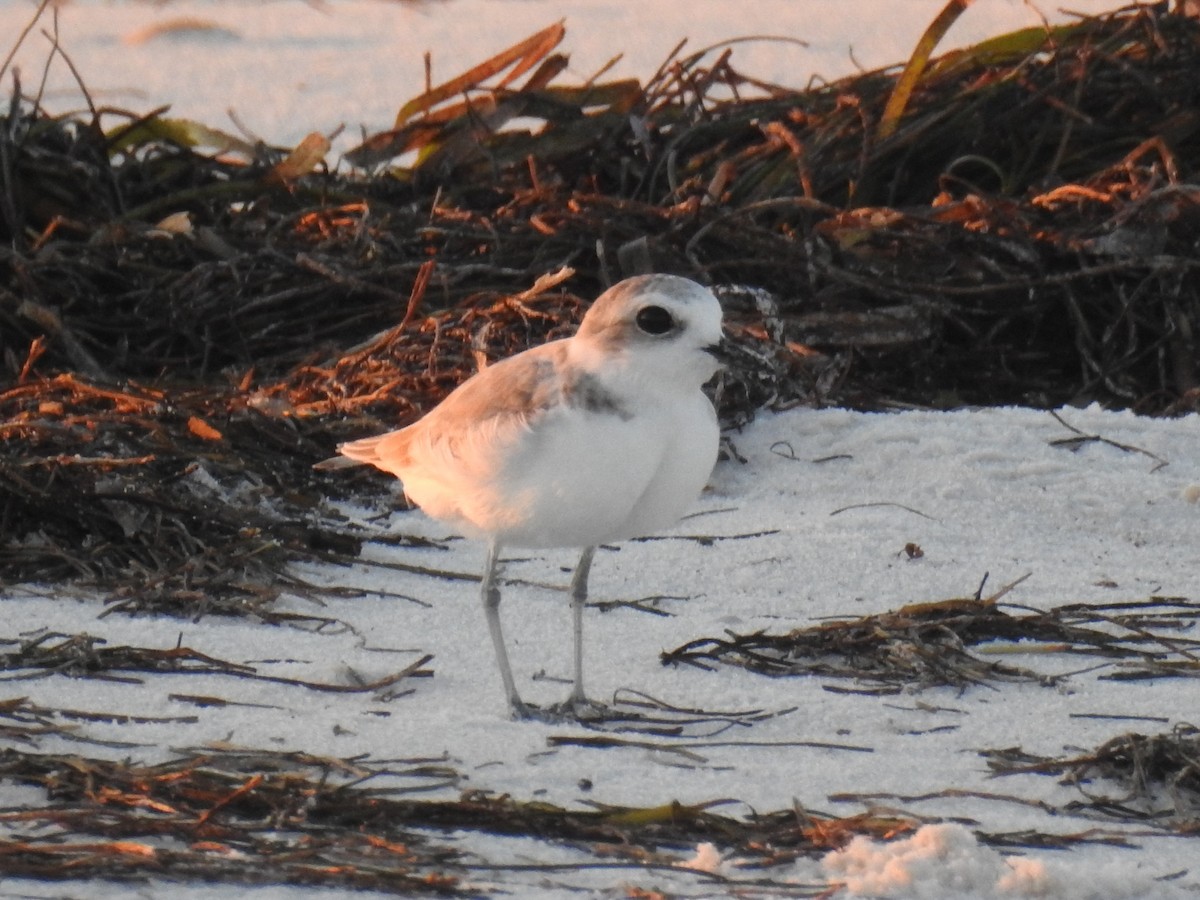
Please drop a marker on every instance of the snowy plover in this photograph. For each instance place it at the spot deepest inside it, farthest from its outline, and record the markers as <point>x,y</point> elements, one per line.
<point>595,438</point>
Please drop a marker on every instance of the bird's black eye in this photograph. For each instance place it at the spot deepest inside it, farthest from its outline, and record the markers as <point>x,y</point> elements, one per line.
<point>654,320</point>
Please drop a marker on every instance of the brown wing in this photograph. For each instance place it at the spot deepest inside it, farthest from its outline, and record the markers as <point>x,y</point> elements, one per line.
<point>487,408</point>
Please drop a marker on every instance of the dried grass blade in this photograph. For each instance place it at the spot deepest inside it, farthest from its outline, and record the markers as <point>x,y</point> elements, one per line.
<point>1005,49</point>
<point>618,96</point>
<point>545,73</point>
<point>898,101</point>
<point>185,132</point>
<point>306,156</point>
<point>526,54</point>
<point>549,39</point>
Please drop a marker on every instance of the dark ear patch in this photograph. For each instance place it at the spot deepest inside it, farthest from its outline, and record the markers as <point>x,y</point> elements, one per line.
<point>654,320</point>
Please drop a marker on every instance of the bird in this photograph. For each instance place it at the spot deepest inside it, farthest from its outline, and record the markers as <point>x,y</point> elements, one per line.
<point>583,441</point>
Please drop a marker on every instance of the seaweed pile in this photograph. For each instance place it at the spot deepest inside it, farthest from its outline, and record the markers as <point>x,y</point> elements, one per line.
<point>233,815</point>
<point>189,320</point>
<point>927,644</point>
<point>252,817</point>
<point>1159,775</point>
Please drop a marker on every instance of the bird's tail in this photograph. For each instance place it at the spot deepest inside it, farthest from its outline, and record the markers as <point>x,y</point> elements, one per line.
<point>337,462</point>
<point>364,451</point>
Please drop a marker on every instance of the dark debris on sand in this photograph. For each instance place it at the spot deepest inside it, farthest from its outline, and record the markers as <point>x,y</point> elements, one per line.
<point>930,644</point>
<point>1150,778</point>
<point>228,815</point>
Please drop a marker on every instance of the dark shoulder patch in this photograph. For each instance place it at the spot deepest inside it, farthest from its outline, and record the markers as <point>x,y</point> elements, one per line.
<point>585,392</point>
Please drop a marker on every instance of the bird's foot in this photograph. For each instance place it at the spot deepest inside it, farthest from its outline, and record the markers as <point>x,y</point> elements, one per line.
<point>573,709</point>
<point>586,711</point>
<point>520,710</point>
<point>580,709</point>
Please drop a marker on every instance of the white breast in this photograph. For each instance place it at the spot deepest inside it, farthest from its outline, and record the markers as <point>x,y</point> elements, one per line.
<point>579,478</point>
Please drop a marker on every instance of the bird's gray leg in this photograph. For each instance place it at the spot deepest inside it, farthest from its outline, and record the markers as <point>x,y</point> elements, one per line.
<point>491,609</point>
<point>578,599</point>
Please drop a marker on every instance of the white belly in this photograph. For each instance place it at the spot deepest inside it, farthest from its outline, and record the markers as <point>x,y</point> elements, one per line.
<point>581,478</point>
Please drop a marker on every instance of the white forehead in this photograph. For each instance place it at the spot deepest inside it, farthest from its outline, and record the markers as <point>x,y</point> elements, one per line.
<point>612,316</point>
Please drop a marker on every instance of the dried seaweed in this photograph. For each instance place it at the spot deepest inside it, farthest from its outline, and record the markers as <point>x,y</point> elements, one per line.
<point>926,644</point>
<point>84,655</point>
<point>189,321</point>
<point>26,722</point>
<point>636,712</point>
<point>238,817</point>
<point>1009,174</point>
<point>1160,775</point>
<point>241,816</point>
<point>133,489</point>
